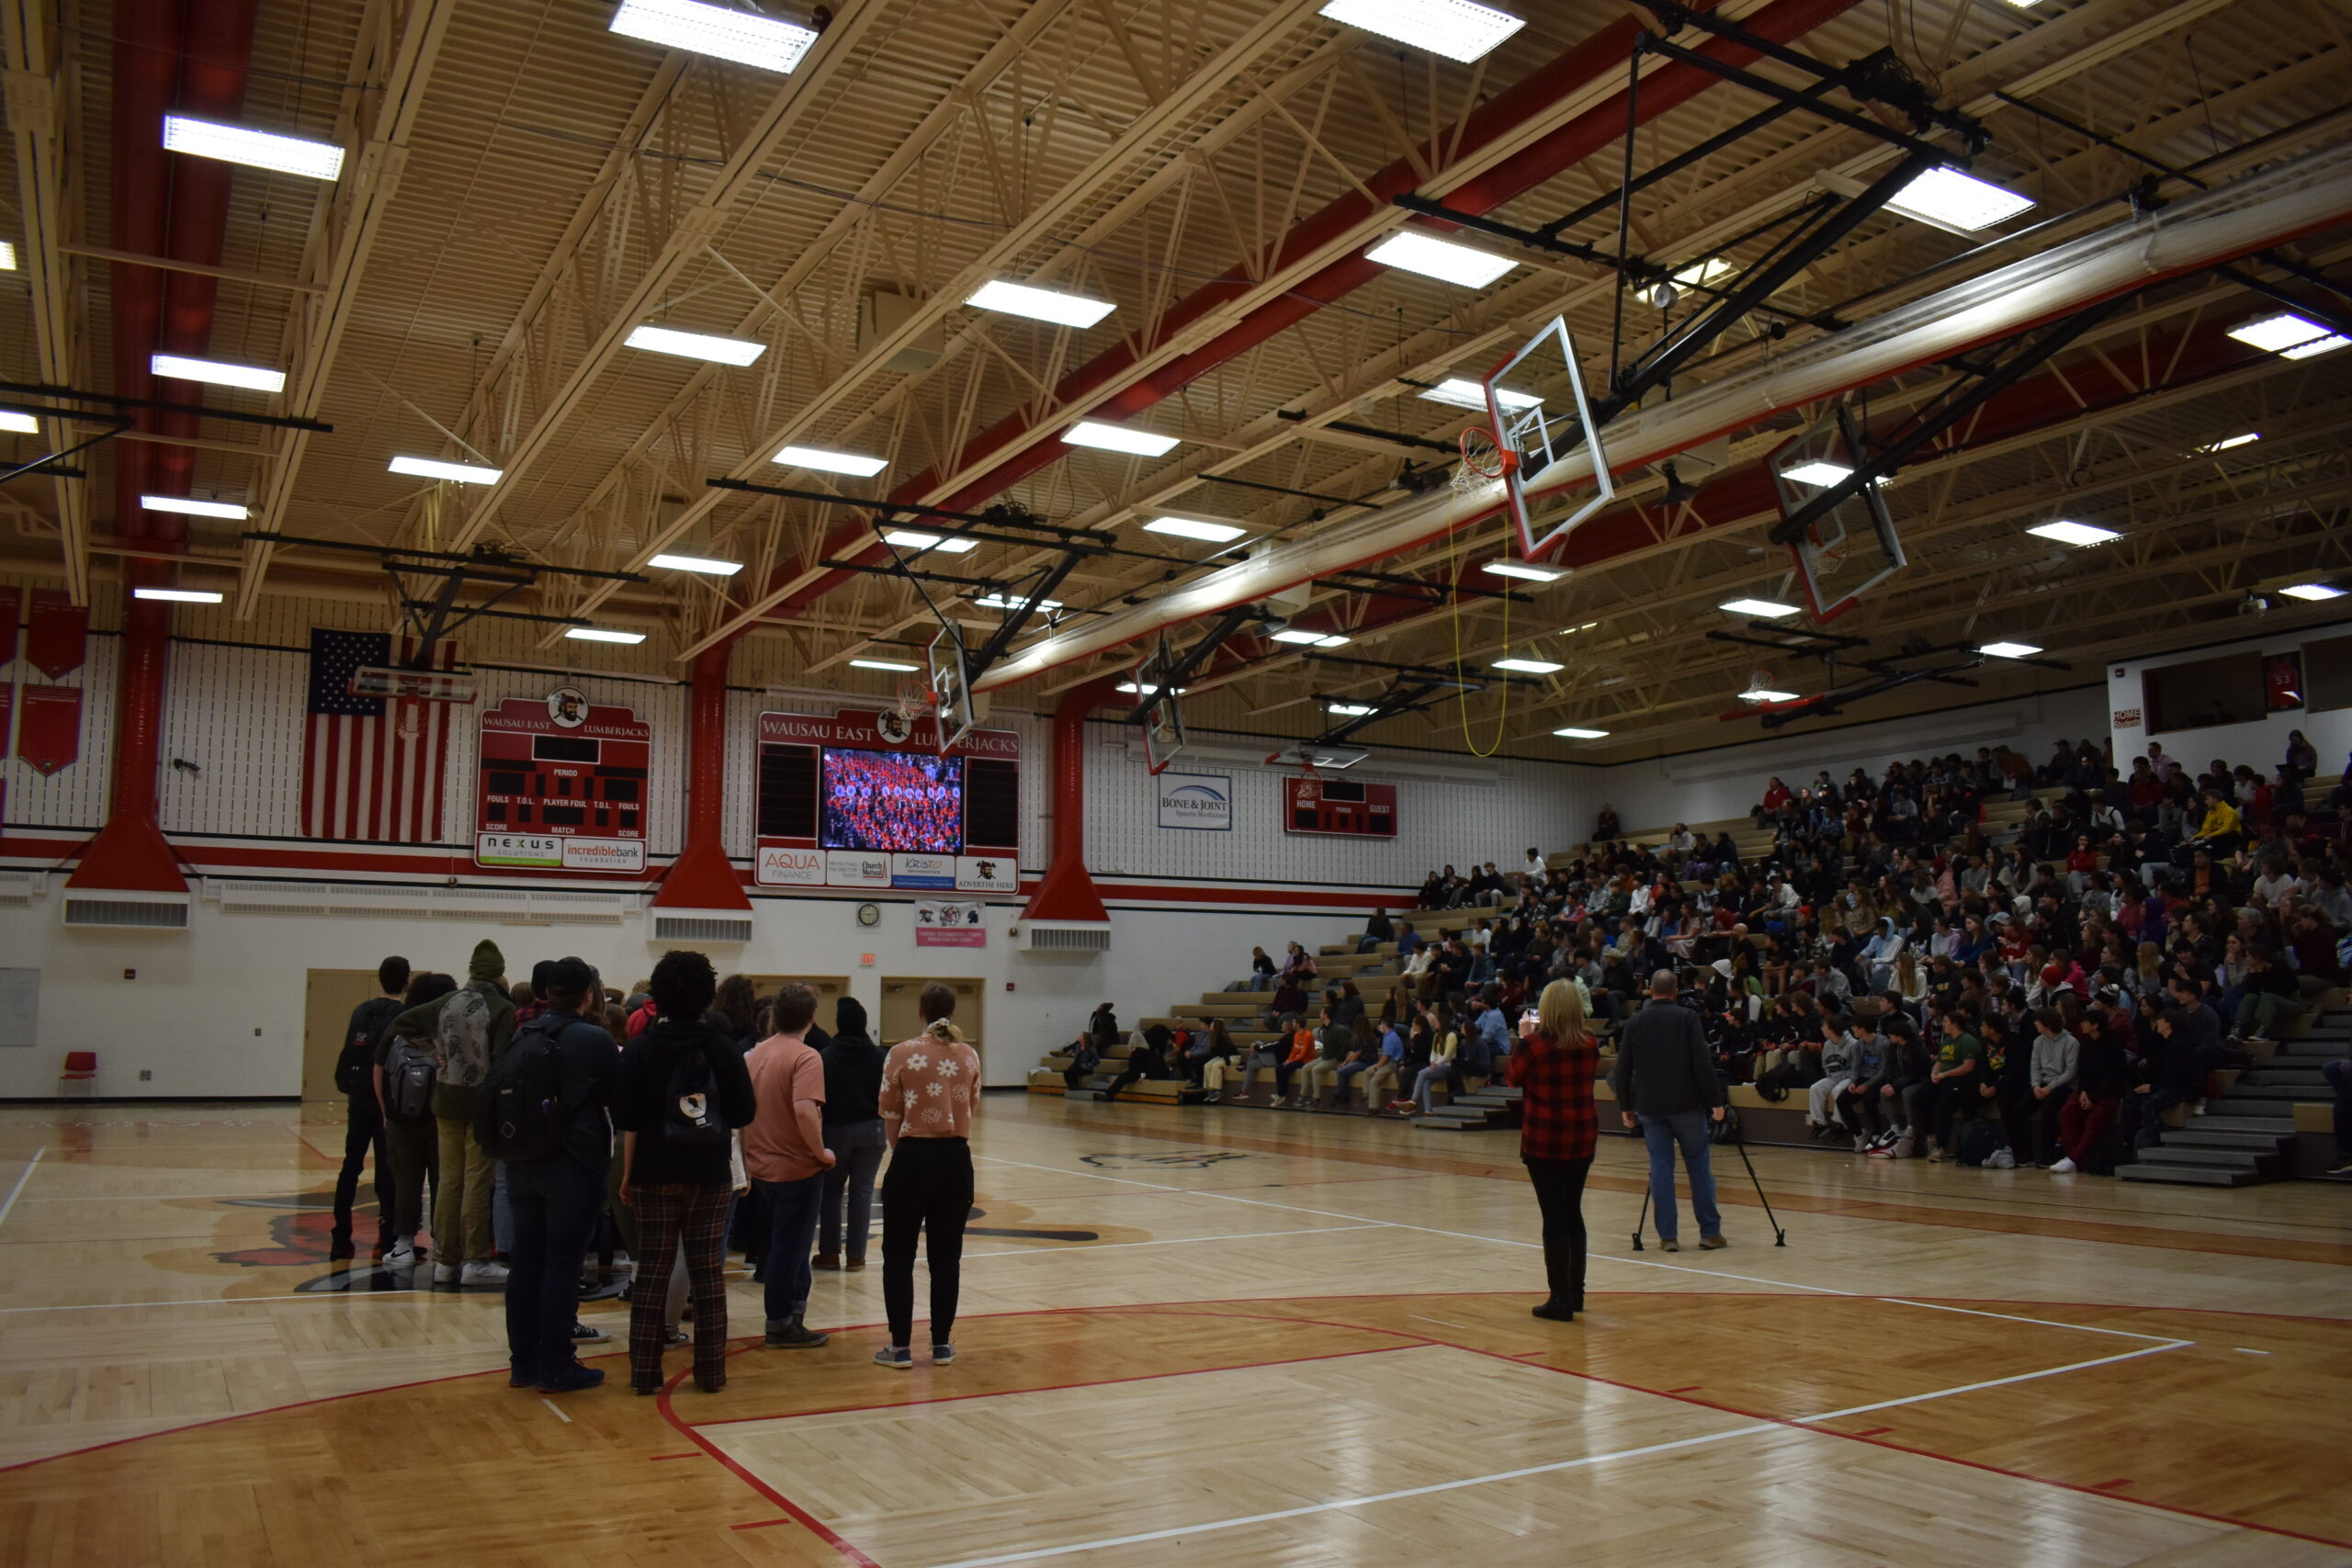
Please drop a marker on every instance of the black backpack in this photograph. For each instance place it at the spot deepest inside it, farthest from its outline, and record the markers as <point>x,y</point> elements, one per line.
<point>354,1065</point>
<point>690,1107</point>
<point>408,1080</point>
<point>520,1114</point>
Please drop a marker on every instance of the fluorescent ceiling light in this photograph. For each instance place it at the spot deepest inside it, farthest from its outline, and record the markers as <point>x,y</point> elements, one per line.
<point>1134,691</point>
<point>2009,649</point>
<point>2078,534</point>
<point>1768,609</point>
<point>253,377</point>
<point>2311,591</point>
<point>255,149</point>
<point>2317,346</point>
<point>1529,666</point>
<point>1351,710</point>
<point>696,345</point>
<point>1200,528</point>
<point>1521,569</point>
<point>1817,473</point>
<point>853,463</point>
<point>1454,28</point>
<point>1119,438</point>
<point>1040,304</point>
<point>434,469</point>
<point>181,503</point>
<point>1441,259</point>
<point>178,596</point>
<point>892,665</point>
<point>2276,334</point>
<point>598,633</point>
<point>8,256</point>
<point>1701,273</point>
<point>999,602</point>
<point>702,564</point>
<point>1462,393</point>
<point>1573,732</point>
<point>1945,196</point>
<point>1311,639</point>
<point>22,423</point>
<point>2227,441</point>
<point>719,31</point>
<point>908,539</point>
<point>1766,695</point>
<point>1571,631</point>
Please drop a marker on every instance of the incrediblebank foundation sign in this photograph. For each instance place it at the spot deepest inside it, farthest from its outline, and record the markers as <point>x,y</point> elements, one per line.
<point>1200,803</point>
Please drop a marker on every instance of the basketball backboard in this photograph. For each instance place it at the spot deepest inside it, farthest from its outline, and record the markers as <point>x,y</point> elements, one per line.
<point>951,688</point>
<point>1536,406</point>
<point>1163,719</point>
<point>1851,547</point>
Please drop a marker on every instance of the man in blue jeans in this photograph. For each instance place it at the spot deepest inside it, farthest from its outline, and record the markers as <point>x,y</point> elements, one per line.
<point>557,1199</point>
<point>784,1152</point>
<point>1666,1085</point>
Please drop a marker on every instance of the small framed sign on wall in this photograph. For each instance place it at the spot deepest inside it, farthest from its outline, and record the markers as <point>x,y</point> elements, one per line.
<point>1195,802</point>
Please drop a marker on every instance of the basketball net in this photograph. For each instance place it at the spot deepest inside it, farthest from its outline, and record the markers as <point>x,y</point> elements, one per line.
<point>1483,459</point>
<point>915,699</point>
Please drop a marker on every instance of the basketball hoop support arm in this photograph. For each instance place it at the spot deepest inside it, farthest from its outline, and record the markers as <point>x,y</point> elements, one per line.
<point>1225,626</point>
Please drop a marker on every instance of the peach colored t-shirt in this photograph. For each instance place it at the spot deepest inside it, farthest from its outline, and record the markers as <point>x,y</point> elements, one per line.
<point>930,1088</point>
<point>783,1072</point>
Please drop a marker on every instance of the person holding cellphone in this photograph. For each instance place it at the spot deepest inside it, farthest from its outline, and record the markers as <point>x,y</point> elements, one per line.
<point>1553,1071</point>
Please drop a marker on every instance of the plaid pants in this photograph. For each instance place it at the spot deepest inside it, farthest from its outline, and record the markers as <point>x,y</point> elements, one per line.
<point>693,1217</point>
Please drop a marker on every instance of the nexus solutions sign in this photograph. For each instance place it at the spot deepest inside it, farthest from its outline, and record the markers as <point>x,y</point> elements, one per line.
<point>1200,803</point>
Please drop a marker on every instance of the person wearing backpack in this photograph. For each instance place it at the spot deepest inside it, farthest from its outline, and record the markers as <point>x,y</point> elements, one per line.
<point>463,1032</point>
<point>683,1087</point>
<point>541,1113</point>
<point>363,1126</point>
<point>404,1077</point>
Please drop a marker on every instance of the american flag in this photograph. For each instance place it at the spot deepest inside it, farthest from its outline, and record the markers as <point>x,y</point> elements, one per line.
<point>371,766</point>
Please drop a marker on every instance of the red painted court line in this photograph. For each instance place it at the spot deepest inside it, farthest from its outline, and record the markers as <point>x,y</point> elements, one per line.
<point>2111,1485</point>
<point>1873,1432</point>
<point>1691,1387</point>
<point>795,1513</point>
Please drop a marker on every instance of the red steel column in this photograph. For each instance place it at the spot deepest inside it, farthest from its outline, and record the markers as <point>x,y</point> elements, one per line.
<point>1067,891</point>
<point>702,878</point>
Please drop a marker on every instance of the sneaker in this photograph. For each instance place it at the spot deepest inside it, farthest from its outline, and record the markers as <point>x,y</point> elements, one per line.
<point>1669,1245</point>
<point>2064,1167</point>
<point>791,1334</point>
<point>484,1274</point>
<point>520,1379</point>
<point>943,1352</point>
<point>2341,1168</point>
<point>339,1249</point>
<point>1405,1107</point>
<point>445,1275</point>
<point>897,1358</point>
<point>1211,1097</point>
<point>1860,1143</point>
<point>672,1338</point>
<point>402,1254</point>
<point>1936,1155</point>
<point>587,1332</point>
<point>1880,1151</point>
<point>572,1379</point>
<point>1713,1244</point>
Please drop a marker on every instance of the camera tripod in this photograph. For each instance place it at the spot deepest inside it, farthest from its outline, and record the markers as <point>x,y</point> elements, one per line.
<point>1780,1236</point>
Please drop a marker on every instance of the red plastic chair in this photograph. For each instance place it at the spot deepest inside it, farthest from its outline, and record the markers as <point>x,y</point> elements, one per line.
<point>80,1066</point>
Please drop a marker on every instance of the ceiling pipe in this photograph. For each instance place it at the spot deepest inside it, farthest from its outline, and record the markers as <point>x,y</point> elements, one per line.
<point>1573,71</point>
<point>2266,208</point>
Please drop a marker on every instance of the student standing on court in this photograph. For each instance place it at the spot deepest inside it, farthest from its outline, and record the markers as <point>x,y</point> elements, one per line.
<point>557,1199</point>
<point>411,1134</point>
<point>784,1147</point>
<point>363,1126</point>
<point>1666,1086</point>
<point>1553,1069</point>
<point>682,1086</point>
<point>464,1032</point>
<point>853,1132</point>
<point>931,1089</point>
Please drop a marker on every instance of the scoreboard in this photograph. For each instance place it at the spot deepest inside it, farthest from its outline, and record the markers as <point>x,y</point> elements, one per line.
<point>1345,807</point>
<point>563,786</point>
<point>808,762</point>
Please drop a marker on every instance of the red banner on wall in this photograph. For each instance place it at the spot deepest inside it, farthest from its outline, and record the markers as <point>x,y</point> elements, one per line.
<point>12,600</point>
<point>60,630</point>
<point>48,730</point>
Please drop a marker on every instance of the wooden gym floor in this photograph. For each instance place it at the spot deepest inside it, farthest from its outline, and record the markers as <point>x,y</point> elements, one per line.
<point>1232,1338</point>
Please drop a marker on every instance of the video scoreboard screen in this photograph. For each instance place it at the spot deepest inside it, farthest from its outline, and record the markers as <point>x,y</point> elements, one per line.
<point>856,799</point>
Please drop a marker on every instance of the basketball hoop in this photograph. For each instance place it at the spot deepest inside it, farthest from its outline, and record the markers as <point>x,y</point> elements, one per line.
<point>1829,555</point>
<point>913,702</point>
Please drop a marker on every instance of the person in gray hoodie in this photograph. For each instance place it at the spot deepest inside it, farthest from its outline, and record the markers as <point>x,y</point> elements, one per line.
<point>2056,1054</point>
<point>1859,1100</point>
<point>1836,1075</point>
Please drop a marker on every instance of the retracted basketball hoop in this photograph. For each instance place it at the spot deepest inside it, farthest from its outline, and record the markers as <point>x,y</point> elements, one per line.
<point>1536,415</point>
<point>424,686</point>
<point>1162,702</point>
<point>1850,547</point>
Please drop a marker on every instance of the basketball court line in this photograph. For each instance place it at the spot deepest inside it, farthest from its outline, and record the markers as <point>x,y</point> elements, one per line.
<point>1064,1251</point>
<point>1433,1488</point>
<point>8,1207</point>
<point>1537,1245</point>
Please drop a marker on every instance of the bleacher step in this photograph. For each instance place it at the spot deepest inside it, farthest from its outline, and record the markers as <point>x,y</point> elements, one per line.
<point>1453,1123</point>
<point>2175,1153</point>
<point>2198,1136</point>
<point>2242,1090</point>
<point>2248,1105</point>
<point>2277,1126</point>
<point>2186,1175</point>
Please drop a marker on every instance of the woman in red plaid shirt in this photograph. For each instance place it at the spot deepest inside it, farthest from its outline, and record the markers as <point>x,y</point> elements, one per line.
<point>1553,1069</point>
